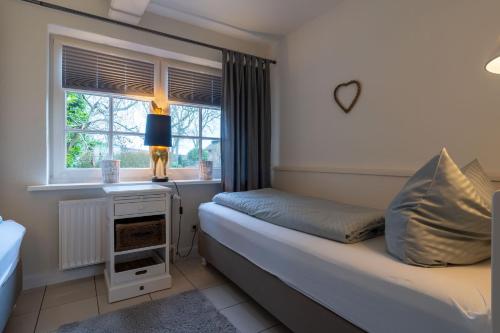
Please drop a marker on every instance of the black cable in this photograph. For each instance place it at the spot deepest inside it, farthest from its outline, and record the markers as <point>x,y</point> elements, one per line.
<point>192,246</point>
<point>180,225</point>
<point>180,217</point>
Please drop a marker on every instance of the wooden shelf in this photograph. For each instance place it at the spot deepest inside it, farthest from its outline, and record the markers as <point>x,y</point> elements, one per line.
<point>140,249</point>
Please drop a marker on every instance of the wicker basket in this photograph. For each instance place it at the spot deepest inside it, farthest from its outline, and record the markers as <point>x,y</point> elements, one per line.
<point>129,236</point>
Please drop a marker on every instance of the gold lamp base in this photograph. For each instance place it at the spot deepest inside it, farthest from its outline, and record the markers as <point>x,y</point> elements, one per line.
<point>159,155</point>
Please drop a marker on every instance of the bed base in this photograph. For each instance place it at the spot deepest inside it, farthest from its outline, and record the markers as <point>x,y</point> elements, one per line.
<point>298,312</point>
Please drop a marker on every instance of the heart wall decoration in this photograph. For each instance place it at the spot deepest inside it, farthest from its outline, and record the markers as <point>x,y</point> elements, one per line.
<point>346,107</point>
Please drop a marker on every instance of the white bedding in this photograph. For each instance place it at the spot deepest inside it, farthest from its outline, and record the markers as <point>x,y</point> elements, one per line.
<point>11,236</point>
<point>360,282</point>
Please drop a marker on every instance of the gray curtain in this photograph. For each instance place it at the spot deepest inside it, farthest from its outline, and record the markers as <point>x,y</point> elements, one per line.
<point>246,122</point>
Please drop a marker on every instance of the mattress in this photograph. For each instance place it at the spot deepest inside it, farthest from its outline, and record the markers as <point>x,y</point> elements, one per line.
<point>11,236</point>
<point>360,282</point>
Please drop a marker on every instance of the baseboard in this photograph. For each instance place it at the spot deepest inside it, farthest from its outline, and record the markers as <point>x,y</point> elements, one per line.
<point>43,279</point>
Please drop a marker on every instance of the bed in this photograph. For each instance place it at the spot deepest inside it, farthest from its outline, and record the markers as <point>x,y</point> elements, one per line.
<point>11,236</point>
<point>316,285</point>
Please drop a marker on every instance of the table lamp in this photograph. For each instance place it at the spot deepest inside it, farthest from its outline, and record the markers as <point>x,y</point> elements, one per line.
<point>159,138</point>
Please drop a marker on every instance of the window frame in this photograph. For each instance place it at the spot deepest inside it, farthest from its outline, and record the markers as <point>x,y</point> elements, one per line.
<point>200,137</point>
<point>110,132</point>
<point>193,172</point>
<point>58,172</point>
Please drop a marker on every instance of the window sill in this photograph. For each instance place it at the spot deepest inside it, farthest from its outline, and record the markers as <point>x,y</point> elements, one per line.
<point>89,186</point>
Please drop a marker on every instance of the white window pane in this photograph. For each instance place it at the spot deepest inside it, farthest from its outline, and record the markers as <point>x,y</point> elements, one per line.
<point>211,123</point>
<point>129,115</point>
<point>131,152</point>
<point>85,150</point>
<point>87,112</point>
<point>184,153</point>
<point>185,120</point>
<point>211,152</point>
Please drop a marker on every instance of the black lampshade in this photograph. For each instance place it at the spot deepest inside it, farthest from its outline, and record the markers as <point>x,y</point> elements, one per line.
<point>158,131</point>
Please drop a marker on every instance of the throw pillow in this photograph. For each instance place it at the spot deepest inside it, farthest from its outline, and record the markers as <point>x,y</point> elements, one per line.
<point>439,218</point>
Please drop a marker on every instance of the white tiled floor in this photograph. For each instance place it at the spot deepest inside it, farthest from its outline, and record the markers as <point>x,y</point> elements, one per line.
<point>45,309</point>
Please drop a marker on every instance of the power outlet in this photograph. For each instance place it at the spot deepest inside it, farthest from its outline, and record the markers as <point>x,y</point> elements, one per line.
<point>194,228</point>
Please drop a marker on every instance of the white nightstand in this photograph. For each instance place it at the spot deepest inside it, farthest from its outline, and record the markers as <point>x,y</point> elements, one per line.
<point>138,233</point>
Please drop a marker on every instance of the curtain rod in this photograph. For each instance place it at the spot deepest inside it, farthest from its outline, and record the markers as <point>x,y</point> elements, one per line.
<point>136,27</point>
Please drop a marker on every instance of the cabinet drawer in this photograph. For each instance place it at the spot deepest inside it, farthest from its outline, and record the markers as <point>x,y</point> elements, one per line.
<point>130,270</point>
<point>140,197</point>
<point>133,208</point>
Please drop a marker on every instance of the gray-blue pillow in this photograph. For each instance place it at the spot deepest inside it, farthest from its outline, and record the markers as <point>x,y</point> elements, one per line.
<point>438,218</point>
<point>475,172</point>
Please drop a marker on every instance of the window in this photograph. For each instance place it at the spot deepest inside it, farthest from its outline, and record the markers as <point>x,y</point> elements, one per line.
<point>195,136</point>
<point>100,100</point>
<point>196,118</point>
<point>102,126</point>
<point>102,121</point>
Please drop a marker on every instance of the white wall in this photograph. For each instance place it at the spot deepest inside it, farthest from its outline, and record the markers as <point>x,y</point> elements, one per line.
<point>24,90</point>
<point>424,87</point>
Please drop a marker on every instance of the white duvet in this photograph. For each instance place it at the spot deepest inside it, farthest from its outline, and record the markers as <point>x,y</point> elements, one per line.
<point>360,282</point>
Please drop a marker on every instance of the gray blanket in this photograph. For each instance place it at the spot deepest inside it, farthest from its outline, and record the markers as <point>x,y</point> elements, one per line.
<point>323,218</point>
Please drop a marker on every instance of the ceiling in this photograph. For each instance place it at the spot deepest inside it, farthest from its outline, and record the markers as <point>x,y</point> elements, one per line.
<point>251,19</point>
<point>264,17</point>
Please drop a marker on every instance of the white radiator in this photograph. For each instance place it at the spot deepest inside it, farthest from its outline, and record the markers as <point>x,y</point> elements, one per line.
<point>81,232</point>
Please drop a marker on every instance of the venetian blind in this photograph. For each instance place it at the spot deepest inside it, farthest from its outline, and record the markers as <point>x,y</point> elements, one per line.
<point>89,70</point>
<point>193,87</point>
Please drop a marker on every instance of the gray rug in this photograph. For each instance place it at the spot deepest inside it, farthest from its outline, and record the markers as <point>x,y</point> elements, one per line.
<point>183,313</point>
